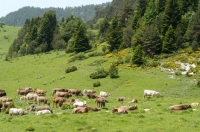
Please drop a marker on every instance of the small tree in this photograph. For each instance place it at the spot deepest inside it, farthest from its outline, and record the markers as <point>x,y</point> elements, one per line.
<point>138,55</point>
<point>113,71</point>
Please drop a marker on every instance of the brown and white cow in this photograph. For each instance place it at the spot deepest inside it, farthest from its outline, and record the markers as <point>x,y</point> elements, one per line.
<point>88,91</point>
<point>63,94</point>
<point>75,92</point>
<point>104,94</point>
<point>54,90</point>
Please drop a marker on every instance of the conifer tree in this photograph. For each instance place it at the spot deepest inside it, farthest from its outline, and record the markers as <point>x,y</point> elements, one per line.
<point>138,55</point>
<point>81,42</point>
<point>115,35</point>
<point>169,44</point>
<point>104,26</point>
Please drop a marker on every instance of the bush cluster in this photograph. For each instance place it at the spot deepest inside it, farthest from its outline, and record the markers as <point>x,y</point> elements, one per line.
<point>96,84</point>
<point>71,69</point>
<point>100,73</point>
<point>113,71</point>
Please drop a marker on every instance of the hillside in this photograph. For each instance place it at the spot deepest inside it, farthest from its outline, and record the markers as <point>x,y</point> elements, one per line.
<point>18,17</point>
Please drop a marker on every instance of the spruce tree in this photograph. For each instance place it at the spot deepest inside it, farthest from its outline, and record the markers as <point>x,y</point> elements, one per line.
<point>115,35</point>
<point>138,55</point>
<point>169,44</point>
<point>81,42</point>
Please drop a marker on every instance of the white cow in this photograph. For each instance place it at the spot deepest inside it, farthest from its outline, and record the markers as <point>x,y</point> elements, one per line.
<point>76,104</point>
<point>17,111</point>
<point>104,94</point>
<point>151,93</point>
<point>43,112</point>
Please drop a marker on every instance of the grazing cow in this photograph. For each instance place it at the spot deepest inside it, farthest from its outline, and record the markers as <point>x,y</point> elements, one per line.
<point>2,93</point>
<point>87,91</point>
<point>17,111</point>
<point>24,91</point>
<point>121,99</point>
<point>42,99</point>
<point>57,90</point>
<point>27,88</point>
<point>40,92</point>
<point>43,112</point>
<point>195,104</point>
<point>58,100</point>
<point>104,94</point>
<point>38,108</point>
<point>3,99</point>
<point>92,96</point>
<point>31,96</point>
<point>63,94</point>
<point>80,110</point>
<point>80,104</point>
<point>151,93</point>
<point>179,107</point>
<point>101,102</point>
<point>74,92</point>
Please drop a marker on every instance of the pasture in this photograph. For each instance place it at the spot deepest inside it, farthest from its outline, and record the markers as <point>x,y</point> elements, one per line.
<point>47,71</point>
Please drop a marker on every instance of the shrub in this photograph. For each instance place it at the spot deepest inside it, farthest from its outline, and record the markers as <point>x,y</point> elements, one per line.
<point>30,129</point>
<point>93,54</point>
<point>113,71</point>
<point>127,58</point>
<point>71,69</point>
<point>96,84</point>
<point>100,73</point>
<point>198,83</point>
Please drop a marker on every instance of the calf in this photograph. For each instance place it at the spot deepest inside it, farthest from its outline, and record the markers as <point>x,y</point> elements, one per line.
<point>179,107</point>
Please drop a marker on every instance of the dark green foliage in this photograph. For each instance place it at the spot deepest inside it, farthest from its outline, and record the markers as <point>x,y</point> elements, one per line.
<point>96,84</point>
<point>71,69</point>
<point>141,7</point>
<point>127,35</point>
<point>151,42</point>
<point>113,71</point>
<point>30,129</point>
<point>138,56</point>
<point>169,45</point>
<point>115,35</point>
<point>100,73</point>
<point>161,5</point>
<point>81,42</point>
<point>103,28</point>
<point>198,83</point>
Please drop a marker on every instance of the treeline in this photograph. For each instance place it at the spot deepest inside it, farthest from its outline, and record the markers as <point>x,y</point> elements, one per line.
<point>18,17</point>
<point>149,27</point>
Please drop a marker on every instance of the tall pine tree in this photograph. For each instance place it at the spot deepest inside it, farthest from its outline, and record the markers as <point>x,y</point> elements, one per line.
<point>115,35</point>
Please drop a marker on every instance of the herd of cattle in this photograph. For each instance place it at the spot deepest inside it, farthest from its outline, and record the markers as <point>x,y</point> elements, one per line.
<point>60,96</point>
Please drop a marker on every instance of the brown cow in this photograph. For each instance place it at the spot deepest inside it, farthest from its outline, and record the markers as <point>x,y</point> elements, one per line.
<point>58,100</point>
<point>3,99</point>
<point>80,110</point>
<point>92,96</point>
<point>24,91</point>
<point>42,99</point>
<point>57,90</point>
<point>121,99</point>
<point>40,92</point>
<point>124,109</point>
<point>63,94</point>
<point>75,92</point>
<point>101,102</point>
<point>2,93</point>
<point>179,107</point>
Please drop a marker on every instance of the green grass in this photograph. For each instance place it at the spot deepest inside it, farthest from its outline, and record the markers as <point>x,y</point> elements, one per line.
<point>47,71</point>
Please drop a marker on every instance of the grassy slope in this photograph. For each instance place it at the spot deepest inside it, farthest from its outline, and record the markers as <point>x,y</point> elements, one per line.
<point>47,71</point>
<point>10,32</point>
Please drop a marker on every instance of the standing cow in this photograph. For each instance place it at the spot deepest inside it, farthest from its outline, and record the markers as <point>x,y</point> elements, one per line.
<point>151,93</point>
<point>104,94</point>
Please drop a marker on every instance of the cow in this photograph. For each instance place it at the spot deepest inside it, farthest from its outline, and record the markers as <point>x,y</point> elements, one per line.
<point>58,100</point>
<point>7,105</point>
<point>3,99</point>
<point>121,99</point>
<point>63,94</point>
<point>57,90</point>
<point>23,97</point>
<point>101,102</point>
<point>151,93</point>
<point>92,96</point>
<point>68,105</point>
<point>80,104</point>
<point>180,107</point>
<point>195,104</point>
<point>38,108</point>
<point>42,99</point>
<point>40,92</point>
<point>124,109</point>
<point>93,108</point>
<point>2,93</point>
<point>134,101</point>
<point>31,96</point>
<point>87,91</point>
<point>17,111</point>
<point>104,94</point>
<point>43,112</point>
<point>74,92</point>
<point>79,110</point>
<point>24,91</point>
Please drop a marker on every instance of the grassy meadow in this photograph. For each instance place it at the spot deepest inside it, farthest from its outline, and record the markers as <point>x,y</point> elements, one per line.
<point>47,71</point>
